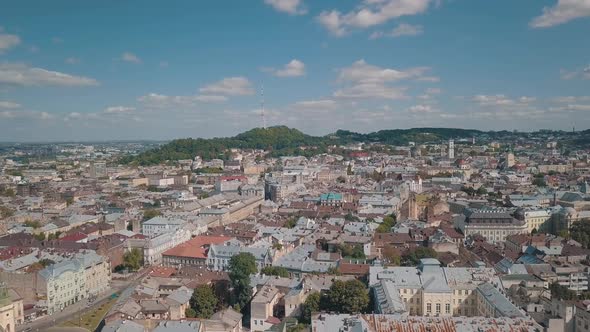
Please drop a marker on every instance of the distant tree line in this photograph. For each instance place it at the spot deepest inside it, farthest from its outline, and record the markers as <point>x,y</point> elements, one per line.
<point>284,141</point>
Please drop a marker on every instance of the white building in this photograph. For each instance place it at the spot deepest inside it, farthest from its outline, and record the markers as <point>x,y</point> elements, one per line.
<point>161,224</point>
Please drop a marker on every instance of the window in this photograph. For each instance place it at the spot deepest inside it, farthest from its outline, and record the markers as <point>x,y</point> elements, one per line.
<point>447,308</point>
<point>438,308</point>
<point>428,308</point>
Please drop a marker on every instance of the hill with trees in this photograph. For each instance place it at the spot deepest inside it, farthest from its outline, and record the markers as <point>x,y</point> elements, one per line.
<point>284,141</point>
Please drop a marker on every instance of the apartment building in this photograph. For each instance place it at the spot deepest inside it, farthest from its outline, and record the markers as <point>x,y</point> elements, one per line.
<point>494,225</point>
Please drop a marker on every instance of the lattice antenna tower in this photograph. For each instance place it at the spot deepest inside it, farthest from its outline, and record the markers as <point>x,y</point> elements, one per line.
<point>262,107</point>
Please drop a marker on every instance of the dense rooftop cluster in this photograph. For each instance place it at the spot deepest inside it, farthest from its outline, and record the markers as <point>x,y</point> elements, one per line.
<point>272,230</point>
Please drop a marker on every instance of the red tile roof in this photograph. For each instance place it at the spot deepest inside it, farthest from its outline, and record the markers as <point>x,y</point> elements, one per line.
<point>196,247</point>
<point>75,237</point>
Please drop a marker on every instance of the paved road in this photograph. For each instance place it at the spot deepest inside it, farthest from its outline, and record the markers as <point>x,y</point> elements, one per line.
<point>72,312</point>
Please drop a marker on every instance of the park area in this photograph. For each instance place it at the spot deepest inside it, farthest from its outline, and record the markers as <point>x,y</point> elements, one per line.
<point>91,318</point>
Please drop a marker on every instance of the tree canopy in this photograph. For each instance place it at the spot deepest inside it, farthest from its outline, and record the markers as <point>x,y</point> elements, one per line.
<point>386,225</point>
<point>349,297</point>
<point>203,302</point>
<point>241,266</point>
<point>311,305</point>
<point>133,259</point>
<point>284,141</point>
<point>580,232</point>
<point>275,271</point>
<point>414,257</point>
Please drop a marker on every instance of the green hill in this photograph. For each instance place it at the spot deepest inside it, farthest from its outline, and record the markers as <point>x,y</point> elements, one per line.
<point>283,141</point>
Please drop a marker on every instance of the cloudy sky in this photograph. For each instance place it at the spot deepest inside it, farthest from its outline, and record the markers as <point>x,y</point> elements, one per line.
<point>135,69</point>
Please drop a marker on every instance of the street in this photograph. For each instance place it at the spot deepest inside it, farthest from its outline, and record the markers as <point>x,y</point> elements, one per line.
<point>71,312</point>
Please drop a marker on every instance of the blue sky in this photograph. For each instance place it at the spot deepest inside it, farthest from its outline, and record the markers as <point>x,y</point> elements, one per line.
<point>72,70</point>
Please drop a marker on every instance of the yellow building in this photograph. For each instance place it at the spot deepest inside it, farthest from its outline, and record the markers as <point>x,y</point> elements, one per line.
<point>7,311</point>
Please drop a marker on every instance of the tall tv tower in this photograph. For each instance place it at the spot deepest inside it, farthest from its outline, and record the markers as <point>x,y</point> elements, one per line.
<point>262,107</point>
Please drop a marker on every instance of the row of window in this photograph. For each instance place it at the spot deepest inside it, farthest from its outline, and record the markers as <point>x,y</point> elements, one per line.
<point>437,308</point>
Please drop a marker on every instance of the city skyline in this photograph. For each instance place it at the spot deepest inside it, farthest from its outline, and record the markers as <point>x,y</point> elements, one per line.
<point>146,70</point>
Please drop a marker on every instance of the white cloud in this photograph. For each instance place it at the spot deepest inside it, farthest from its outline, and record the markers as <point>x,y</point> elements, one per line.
<point>292,69</point>
<point>7,41</point>
<point>72,60</point>
<point>371,90</point>
<point>572,107</point>
<point>28,115</point>
<point>231,86</point>
<point>370,81</point>
<point>583,73</point>
<point>130,57</point>
<point>360,71</point>
<point>20,74</point>
<point>154,100</point>
<point>402,29</point>
<point>210,98</point>
<point>321,104</point>
<point>422,109</point>
<point>428,95</point>
<point>291,7</point>
<point>9,105</point>
<point>562,12</point>
<point>502,100</point>
<point>333,22</point>
<point>370,13</point>
<point>119,109</point>
<point>570,99</point>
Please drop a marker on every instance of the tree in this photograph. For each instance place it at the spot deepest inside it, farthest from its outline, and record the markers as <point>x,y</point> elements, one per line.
<point>8,193</point>
<point>561,292</point>
<point>45,262</point>
<point>350,297</point>
<point>40,236</point>
<point>275,271</point>
<point>539,182</point>
<point>468,190</point>
<point>190,313</point>
<point>356,251</point>
<point>6,212</point>
<point>349,170</point>
<point>33,223</point>
<point>377,176</point>
<point>580,232</point>
<point>151,213</point>
<point>241,266</point>
<point>481,191</point>
<point>391,255</point>
<point>291,222</point>
<point>133,259</point>
<point>311,305</point>
<point>413,258</point>
<point>333,270</point>
<point>350,217</point>
<point>203,302</point>
<point>277,246</point>
<point>386,225</point>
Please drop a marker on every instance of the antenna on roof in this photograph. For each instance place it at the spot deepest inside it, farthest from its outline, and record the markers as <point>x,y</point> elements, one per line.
<point>262,107</point>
